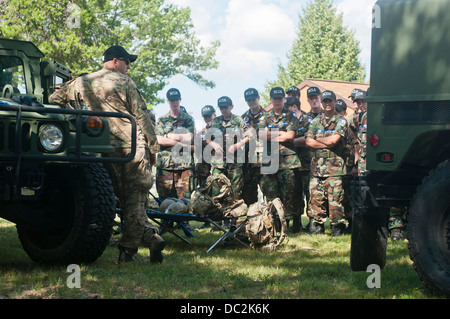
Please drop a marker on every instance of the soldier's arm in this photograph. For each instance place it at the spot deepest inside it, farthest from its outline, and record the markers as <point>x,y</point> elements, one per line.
<point>313,143</point>
<point>329,141</point>
<point>282,136</point>
<point>138,109</point>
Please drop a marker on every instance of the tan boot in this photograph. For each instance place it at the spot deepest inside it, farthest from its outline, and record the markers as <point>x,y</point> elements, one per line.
<point>156,247</point>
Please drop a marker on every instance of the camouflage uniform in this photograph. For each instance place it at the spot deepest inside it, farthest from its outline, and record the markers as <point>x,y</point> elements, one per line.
<point>252,166</point>
<point>362,138</point>
<point>202,167</point>
<point>282,184</point>
<point>303,174</point>
<point>228,133</point>
<point>174,164</point>
<point>327,169</point>
<point>111,91</point>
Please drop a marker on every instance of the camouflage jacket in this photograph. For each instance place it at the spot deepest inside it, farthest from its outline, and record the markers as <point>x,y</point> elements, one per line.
<point>251,122</point>
<point>202,168</point>
<point>304,154</point>
<point>286,121</point>
<point>227,133</point>
<point>328,162</point>
<point>111,91</point>
<point>362,135</point>
<point>168,160</point>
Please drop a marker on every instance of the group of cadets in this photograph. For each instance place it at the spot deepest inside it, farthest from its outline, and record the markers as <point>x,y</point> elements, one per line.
<point>316,153</point>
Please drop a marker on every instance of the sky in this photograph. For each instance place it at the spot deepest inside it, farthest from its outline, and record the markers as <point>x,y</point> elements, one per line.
<point>255,36</point>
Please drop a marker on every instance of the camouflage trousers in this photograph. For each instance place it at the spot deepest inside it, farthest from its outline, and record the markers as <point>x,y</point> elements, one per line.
<point>176,184</point>
<point>132,182</point>
<point>281,185</point>
<point>347,201</point>
<point>251,181</point>
<point>327,195</point>
<point>235,175</point>
<point>302,178</point>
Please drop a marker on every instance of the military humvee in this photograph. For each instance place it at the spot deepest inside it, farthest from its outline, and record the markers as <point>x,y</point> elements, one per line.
<point>408,136</point>
<point>53,185</point>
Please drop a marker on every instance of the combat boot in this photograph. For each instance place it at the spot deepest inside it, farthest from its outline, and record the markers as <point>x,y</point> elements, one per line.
<point>338,229</point>
<point>316,228</point>
<point>296,225</point>
<point>156,246</point>
<point>124,255</point>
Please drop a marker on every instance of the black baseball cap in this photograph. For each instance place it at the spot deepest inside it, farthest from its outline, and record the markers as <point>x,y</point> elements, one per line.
<point>117,51</point>
<point>328,95</point>
<point>341,105</point>
<point>360,95</point>
<point>277,92</point>
<point>251,94</point>
<point>224,101</point>
<point>293,89</point>
<point>173,94</point>
<point>208,110</point>
<point>352,95</point>
<point>312,91</point>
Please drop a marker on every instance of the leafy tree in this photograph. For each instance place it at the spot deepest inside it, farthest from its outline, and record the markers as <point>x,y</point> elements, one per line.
<point>323,49</point>
<point>76,33</point>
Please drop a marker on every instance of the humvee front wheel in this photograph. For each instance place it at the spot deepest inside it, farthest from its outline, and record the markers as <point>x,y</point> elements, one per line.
<point>429,230</point>
<point>77,211</point>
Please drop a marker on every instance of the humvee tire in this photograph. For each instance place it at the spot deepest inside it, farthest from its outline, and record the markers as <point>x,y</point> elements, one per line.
<point>429,230</point>
<point>369,239</point>
<point>78,207</point>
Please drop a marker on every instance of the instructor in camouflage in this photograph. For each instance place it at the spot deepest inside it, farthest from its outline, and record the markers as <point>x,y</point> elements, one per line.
<point>111,90</point>
<point>325,137</point>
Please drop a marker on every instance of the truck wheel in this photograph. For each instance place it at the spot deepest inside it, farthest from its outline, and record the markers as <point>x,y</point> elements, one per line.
<point>369,238</point>
<point>78,207</point>
<point>429,230</point>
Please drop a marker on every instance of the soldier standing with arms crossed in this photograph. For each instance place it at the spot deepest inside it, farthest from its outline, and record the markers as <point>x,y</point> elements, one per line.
<point>175,132</point>
<point>280,126</point>
<point>252,166</point>
<point>325,136</point>
<point>110,89</point>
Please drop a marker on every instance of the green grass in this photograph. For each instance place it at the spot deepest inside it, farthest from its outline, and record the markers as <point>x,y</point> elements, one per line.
<point>306,266</point>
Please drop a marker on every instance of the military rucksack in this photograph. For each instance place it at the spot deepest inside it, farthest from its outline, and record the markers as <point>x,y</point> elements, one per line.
<point>202,203</point>
<point>266,226</point>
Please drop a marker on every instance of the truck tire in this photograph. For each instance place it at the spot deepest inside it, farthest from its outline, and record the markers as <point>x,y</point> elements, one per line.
<point>429,230</point>
<point>79,205</point>
<point>369,239</point>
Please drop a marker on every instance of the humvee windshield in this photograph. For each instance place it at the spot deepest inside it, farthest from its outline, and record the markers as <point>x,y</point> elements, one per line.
<point>12,73</point>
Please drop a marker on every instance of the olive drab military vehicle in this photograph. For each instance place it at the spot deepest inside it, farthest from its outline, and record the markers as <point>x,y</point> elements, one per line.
<point>53,185</point>
<point>408,139</point>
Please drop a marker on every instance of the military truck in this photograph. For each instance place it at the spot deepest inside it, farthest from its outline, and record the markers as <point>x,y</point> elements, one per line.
<point>53,185</point>
<point>408,139</point>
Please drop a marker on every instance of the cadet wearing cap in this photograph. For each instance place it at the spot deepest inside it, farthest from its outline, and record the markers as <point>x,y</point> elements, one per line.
<point>227,141</point>
<point>301,173</point>
<point>313,96</point>
<point>280,125</point>
<point>203,166</point>
<point>175,131</point>
<point>325,136</point>
<point>110,89</point>
<point>253,148</point>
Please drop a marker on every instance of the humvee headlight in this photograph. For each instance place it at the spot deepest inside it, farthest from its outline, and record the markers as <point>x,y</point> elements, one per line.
<point>51,137</point>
